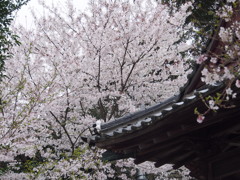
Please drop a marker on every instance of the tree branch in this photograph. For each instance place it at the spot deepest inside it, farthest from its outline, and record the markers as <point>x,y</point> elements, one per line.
<point>63,125</point>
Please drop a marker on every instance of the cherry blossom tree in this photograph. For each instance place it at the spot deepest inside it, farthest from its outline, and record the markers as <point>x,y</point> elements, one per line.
<point>76,68</point>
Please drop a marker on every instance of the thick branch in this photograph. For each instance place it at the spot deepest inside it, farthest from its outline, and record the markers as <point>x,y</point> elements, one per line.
<point>63,125</point>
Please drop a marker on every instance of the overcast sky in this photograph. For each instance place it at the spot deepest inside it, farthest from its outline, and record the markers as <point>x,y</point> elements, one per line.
<point>24,16</point>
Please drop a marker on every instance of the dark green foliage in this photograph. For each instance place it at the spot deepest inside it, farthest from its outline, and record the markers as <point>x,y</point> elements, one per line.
<point>203,18</point>
<point>106,109</point>
<point>7,38</point>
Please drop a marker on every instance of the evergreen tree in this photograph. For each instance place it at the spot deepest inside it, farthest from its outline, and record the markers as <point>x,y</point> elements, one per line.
<point>7,38</point>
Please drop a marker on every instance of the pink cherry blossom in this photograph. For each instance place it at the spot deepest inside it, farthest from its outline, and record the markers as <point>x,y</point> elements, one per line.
<point>237,83</point>
<point>200,118</point>
<point>229,91</point>
<point>201,59</point>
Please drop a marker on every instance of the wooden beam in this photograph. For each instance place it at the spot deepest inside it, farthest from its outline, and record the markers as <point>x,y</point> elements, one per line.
<point>231,125</point>
<point>186,158</point>
<point>159,146</point>
<point>172,158</point>
<point>158,153</point>
<point>224,165</point>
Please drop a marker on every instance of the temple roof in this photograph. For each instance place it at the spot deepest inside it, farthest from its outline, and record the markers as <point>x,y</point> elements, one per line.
<point>147,117</point>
